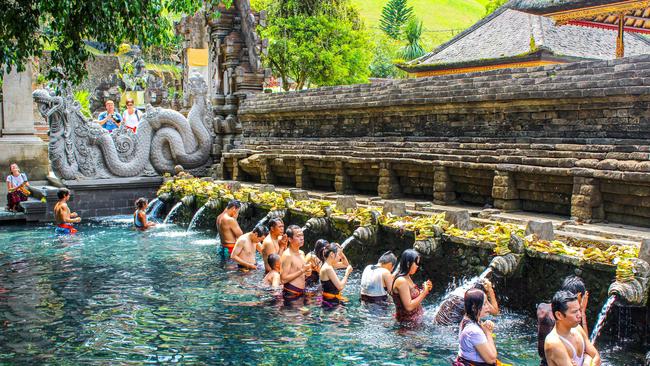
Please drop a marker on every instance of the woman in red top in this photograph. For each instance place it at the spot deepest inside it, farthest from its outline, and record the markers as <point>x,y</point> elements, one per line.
<point>406,295</point>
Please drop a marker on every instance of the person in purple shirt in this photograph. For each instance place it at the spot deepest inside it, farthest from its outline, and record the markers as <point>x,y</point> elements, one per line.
<point>110,119</point>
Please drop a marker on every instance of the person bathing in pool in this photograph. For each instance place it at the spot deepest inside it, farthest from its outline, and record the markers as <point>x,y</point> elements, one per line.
<point>315,259</point>
<point>272,279</point>
<point>63,218</point>
<point>244,251</point>
<point>332,285</point>
<point>229,230</point>
<point>406,295</point>
<point>294,268</point>
<point>140,215</point>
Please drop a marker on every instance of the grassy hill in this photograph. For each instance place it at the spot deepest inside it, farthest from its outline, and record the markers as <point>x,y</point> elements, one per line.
<point>442,19</point>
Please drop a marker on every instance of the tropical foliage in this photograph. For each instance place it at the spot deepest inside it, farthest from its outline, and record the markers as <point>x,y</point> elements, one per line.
<point>412,34</point>
<point>319,42</point>
<point>30,27</point>
<point>394,15</point>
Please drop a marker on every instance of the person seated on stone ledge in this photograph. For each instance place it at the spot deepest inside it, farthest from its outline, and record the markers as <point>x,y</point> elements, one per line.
<point>377,279</point>
<point>131,116</point>
<point>546,320</point>
<point>453,308</point>
<point>17,190</point>
<point>140,215</point>
<point>109,119</point>
<point>63,218</point>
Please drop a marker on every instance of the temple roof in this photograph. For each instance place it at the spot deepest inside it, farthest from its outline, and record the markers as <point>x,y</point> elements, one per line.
<point>509,36</point>
<point>553,6</point>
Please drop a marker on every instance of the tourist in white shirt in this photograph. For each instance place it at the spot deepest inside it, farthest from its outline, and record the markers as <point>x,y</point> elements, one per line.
<point>131,116</point>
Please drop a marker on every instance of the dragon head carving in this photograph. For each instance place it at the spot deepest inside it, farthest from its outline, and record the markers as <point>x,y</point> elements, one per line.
<point>197,84</point>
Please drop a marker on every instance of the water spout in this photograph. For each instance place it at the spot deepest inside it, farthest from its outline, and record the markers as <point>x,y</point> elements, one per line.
<point>347,242</point>
<point>272,215</point>
<point>172,212</point>
<point>196,217</point>
<point>152,205</point>
<point>317,225</point>
<point>154,208</point>
<point>447,311</point>
<point>600,322</point>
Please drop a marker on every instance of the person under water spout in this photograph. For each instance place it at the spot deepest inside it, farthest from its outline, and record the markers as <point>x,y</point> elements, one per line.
<point>315,258</point>
<point>451,311</point>
<point>476,346</point>
<point>546,320</point>
<point>568,343</point>
<point>63,218</point>
<point>377,279</point>
<point>140,215</point>
<point>228,227</point>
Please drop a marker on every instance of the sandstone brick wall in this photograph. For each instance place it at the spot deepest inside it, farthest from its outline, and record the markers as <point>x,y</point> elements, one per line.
<point>599,99</point>
<point>565,139</point>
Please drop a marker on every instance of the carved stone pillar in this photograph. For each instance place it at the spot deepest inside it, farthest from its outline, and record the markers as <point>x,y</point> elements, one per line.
<point>302,176</point>
<point>504,191</point>
<point>586,200</point>
<point>443,186</point>
<point>342,184</point>
<point>388,185</point>
<point>266,172</point>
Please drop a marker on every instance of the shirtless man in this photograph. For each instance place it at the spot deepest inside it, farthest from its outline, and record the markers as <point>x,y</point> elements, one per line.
<point>546,320</point>
<point>568,343</point>
<point>63,218</point>
<point>272,242</point>
<point>229,230</point>
<point>294,267</point>
<point>244,251</point>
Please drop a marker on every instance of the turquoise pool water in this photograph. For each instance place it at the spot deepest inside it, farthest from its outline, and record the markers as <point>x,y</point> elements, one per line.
<point>112,295</point>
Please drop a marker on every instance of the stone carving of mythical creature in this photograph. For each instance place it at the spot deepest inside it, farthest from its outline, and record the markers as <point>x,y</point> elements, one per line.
<point>82,149</point>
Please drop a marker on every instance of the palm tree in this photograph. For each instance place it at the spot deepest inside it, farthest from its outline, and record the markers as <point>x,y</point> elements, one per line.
<point>412,34</point>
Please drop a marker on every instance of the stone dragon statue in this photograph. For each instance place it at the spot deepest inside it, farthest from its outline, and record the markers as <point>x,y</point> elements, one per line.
<point>80,148</point>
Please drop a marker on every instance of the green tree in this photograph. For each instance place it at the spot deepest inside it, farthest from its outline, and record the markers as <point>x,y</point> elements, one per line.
<point>382,65</point>
<point>394,15</point>
<point>27,28</point>
<point>493,5</point>
<point>319,42</point>
<point>412,34</point>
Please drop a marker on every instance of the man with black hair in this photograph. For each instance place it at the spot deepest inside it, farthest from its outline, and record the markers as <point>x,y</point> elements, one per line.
<point>377,279</point>
<point>294,269</point>
<point>568,343</point>
<point>229,230</point>
<point>63,218</point>
<point>244,251</point>
<point>546,320</point>
<point>274,243</point>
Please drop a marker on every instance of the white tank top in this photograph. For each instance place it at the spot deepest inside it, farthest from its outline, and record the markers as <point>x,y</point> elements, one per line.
<point>371,281</point>
<point>577,360</point>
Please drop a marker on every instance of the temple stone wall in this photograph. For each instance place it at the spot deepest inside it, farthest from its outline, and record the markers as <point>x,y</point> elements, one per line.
<point>565,139</point>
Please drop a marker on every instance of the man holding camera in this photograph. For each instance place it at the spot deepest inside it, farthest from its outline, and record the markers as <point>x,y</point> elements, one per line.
<point>110,119</point>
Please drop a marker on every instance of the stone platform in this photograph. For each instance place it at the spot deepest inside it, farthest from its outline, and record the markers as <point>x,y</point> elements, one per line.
<point>104,197</point>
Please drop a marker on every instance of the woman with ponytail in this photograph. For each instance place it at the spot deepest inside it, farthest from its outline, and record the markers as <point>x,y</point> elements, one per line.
<point>406,295</point>
<point>476,344</point>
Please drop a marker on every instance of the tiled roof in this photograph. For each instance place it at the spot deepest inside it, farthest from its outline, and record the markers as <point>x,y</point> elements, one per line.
<point>550,6</point>
<point>508,33</point>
